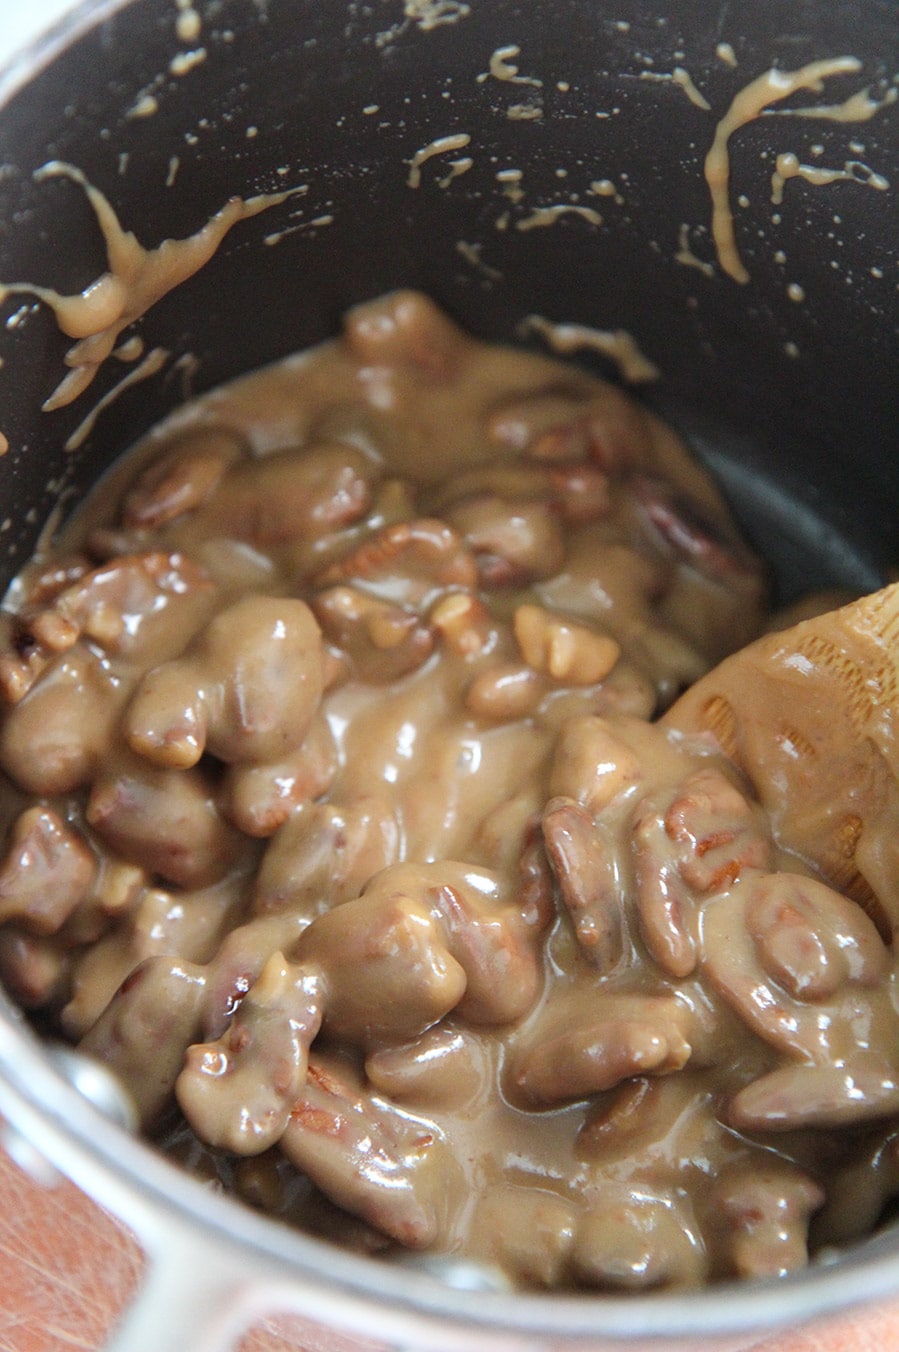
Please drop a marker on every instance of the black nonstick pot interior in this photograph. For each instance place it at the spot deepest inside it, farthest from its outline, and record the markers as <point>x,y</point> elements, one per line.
<point>793,403</point>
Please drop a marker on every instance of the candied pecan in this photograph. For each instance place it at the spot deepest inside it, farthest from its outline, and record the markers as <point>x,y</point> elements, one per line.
<point>766,1208</point>
<point>508,838</point>
<point>514,540</point>
<point>447,1066</point>
<point>118,885</point>
<point>497,942</point>
<point>144,1031</point>
<point>34,969</point>
<point>407,330</point>
<point>388,971</point>
<point>239,961</point>
<point>237,1091</point>
<point>782,950</point>
<point>818,747</point>
<point>634,1239</point>
<point>562,649</point>
<point>246,689</point>
<point>383,641</point>
<point>665,906</point>
<point>506,692</point>
<point>47,872</point>
<point>181,478</point>
<point>707,545</point>
<point>607,583</point>
<point>579,491</point>
<point>584,1050</point>
<point>570,491</point>
<point>324,855</point>
<point>165,821</point>
<point>810,939</point>
<point>259,799</point>
<point>719,832</point>
<point>700,844</point>
<point>464,624</point>
<point>53,739</point>
<point>408,563</point>
<point>592,764</point>
<point>42,580</point>
<point>385,1165</point>
<point>807,971</point>
<point>125,605</point>
<point>623,1115</point>
<point>534,893</point>
<point>158,922</point>
<point>574,421</point>
<point>584,860</point>
<point>291,496</point>
<point>525,1231</point>
<point>799,1096</point>
<point>518,421</point>
<point>22,658</point>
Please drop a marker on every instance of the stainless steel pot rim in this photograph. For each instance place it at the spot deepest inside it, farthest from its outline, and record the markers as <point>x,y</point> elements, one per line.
<point>148,1192</point>
<point>47,45</point>
<point>133,1181</point>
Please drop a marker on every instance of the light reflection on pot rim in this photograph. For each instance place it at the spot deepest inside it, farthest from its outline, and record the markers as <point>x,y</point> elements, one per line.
<point>286,1268</point>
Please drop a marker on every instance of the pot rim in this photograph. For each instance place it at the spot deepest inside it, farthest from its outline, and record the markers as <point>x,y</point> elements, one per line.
<point>155,1197</point>
<point>145,1190</point>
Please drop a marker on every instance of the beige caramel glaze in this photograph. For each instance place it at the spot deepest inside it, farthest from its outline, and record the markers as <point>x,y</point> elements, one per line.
<point>136,278</point>
<point>751,102</point>
<point>338,827</point>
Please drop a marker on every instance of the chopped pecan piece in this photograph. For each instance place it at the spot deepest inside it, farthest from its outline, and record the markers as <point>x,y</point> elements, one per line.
<point>182,477</point>
<point>389,1167</point>
<point>165,821</point>
<point>48,871</point>
<point>325,854</point>
<point>562,649</point>
<point>246,689</point>
<point>584,860</point>
<point>634,1239</point>
<point>146,1028</point>
<point>592,764</point>
<point>586,1049</point>
<point>767,1209</point>
<point>238,1091</point>
<point>408,563</point>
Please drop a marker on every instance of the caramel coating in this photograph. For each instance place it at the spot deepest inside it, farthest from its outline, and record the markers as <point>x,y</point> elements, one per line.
<point>338,826</point>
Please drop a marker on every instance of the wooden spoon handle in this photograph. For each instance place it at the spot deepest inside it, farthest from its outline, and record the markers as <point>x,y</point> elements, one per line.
<point>811,717</point>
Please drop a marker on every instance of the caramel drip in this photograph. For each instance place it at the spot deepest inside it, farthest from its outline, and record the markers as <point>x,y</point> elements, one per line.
<point>135,279</point>
<point>750,103</point>
<point>618,345</point>
<point>442,146</point>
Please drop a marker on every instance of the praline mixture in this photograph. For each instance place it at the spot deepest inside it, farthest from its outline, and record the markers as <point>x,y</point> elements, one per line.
<point>356,819</point>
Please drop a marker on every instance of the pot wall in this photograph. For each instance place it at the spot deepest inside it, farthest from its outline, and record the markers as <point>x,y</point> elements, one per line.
<point>792,401</point>
<point>339,97</point>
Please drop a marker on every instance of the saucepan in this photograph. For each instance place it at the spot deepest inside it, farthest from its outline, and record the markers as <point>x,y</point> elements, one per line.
<point>699,197</point>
